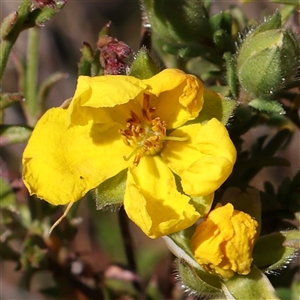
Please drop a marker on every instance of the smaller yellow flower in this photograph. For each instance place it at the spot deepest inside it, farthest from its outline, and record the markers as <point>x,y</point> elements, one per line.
<point>223,243</point>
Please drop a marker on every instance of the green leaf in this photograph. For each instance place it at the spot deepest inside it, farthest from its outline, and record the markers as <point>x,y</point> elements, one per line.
<point>253,286</point>
<point>111,192</point>
<point>13,134</point>
<point>8,99</point>
<point>272,251</point>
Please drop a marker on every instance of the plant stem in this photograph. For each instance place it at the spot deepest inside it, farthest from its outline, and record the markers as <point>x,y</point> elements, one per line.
<point>8,42</point>
<point>31,77</point>
<point>127,240</point>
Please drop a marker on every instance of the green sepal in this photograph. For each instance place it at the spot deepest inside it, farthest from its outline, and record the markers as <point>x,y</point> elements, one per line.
<point>274,250</point>
<point>143,66</point>
<point>110,193</point>
<point>273,22</point>
<point>85,62</point>
<point>14,134</point>
<point>198,281</point>
<point>215,106</point>
<point>253,286</point>
<point>202,204</point>
<point>192,275</point>
<point>104,30</point>
<point>270,106</point>
<point>231,76</point>
<point>7,24</point>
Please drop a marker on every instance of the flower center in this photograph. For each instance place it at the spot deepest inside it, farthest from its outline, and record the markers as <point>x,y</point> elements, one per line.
<point>146,135</point>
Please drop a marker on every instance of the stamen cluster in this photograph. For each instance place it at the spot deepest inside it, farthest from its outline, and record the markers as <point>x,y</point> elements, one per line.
<point>145,135</point>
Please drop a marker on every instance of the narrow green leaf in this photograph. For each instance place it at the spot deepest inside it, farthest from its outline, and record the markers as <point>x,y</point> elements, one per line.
<point>13,134</point>
<point>8,99</point>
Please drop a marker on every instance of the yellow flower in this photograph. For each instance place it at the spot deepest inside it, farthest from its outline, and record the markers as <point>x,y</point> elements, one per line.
<point>223,243</point>
<point>121,122</point>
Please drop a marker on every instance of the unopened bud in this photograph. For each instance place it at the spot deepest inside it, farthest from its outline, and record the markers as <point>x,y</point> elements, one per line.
<point>113,55</point>
<point>268,59</point>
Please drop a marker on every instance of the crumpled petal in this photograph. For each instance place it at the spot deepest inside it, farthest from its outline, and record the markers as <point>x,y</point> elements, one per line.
<point>224,242</point>
<point>95,98</point>
<point>177,96</point>
<point>61,165</point>
<point>204,161</point>
<point>153,202</point>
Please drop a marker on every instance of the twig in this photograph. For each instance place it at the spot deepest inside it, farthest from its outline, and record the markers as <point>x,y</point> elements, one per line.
<point>127,240</point>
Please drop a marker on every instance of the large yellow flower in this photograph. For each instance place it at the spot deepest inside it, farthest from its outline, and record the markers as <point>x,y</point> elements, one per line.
<point>119,122</point>
<point>223,243</point>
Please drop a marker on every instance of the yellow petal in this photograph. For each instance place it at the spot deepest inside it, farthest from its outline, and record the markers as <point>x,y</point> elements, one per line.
<point>61,165</point>
<point>153,202</point>
<point>177,96</point>
<point>204,161</point>
<point>95,97</point>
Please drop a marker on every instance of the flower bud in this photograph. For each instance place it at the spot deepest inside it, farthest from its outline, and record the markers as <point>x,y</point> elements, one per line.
<point>268,58</point>
<point>223,243</point>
